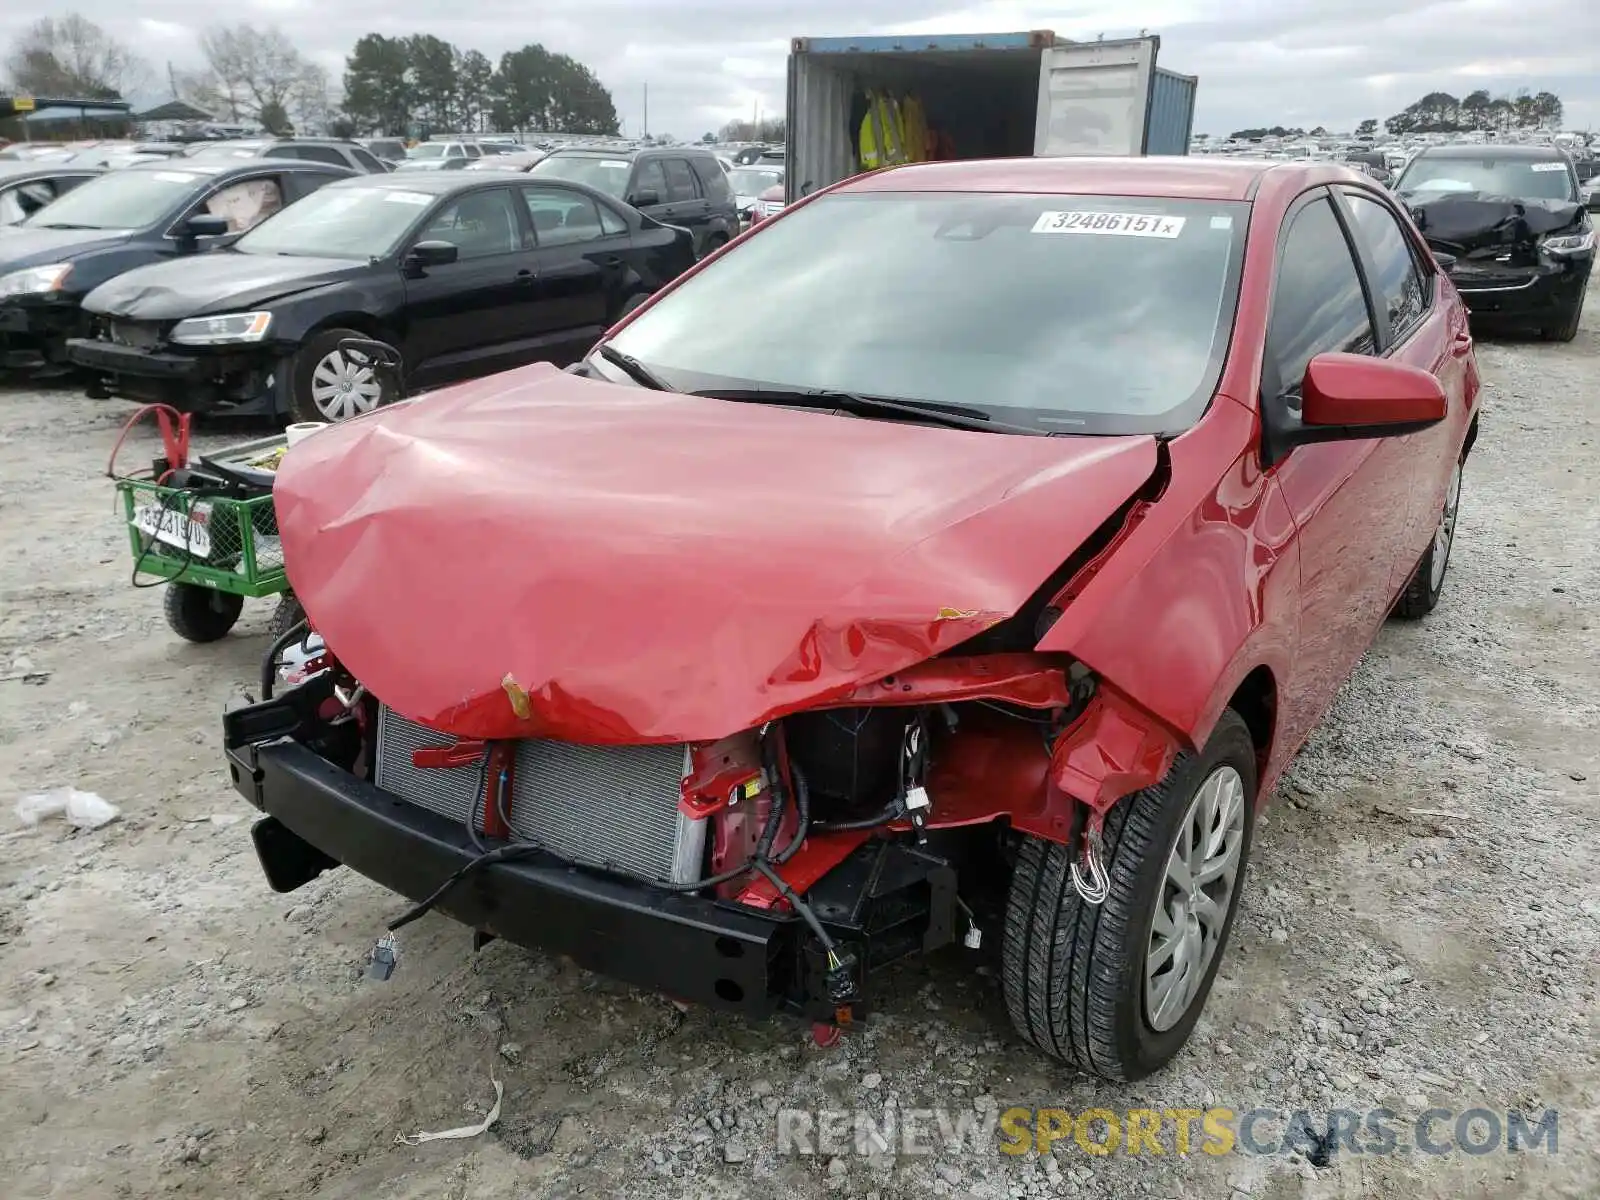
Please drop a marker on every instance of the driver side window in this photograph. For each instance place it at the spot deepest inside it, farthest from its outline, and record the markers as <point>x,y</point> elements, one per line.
<point>246,204</point>
<point>1318,304</point>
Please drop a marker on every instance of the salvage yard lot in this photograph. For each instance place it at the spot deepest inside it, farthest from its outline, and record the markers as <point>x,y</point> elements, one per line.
<point>167,1024</point>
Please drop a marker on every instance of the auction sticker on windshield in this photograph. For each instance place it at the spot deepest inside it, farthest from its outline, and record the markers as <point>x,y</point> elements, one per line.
<point>1548,167</point>
<point>1115,224</point>
<point>417,198</point>
<point>174,528</point>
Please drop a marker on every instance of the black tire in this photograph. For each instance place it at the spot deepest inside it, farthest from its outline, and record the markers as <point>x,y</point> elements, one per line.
<point>631,303</point>
<point>1422,591</point>
<point>1567,329</point>
<point>303,364</point>
<point>714,243</point>
<point>1074,972</point>
<point>285,616</point>
<point>200,614</point>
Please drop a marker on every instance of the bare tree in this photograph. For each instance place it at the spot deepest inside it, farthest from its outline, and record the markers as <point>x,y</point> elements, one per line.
<point>253,69</point>
<point>72,56</point>
<point>310,106</point>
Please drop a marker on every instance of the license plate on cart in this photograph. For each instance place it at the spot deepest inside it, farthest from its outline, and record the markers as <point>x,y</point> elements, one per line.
<point>189,533</point>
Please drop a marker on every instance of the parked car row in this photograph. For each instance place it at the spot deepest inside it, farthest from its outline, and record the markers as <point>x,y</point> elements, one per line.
<point>225,281</point>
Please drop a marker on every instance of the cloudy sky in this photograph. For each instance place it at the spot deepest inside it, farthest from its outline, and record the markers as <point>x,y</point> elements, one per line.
<point>1260,62</point>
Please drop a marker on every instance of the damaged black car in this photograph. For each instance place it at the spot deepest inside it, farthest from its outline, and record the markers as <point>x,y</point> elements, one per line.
<point>1510,226</point>
<point>460,274</point>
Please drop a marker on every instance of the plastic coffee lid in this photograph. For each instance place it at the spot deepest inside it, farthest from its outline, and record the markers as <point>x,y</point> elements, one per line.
<point>303,429</point>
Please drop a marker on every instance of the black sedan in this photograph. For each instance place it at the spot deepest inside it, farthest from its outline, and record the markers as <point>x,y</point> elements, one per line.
<point>1510,226</point>
<point>25,188</point>
<point>464,273</point>
<point>147,213</point>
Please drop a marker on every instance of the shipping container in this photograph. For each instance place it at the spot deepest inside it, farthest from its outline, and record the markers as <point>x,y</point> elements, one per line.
<point>997,95</point>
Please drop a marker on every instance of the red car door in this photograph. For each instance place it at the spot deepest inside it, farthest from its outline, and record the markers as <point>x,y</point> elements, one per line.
<point>1350,500</point>
<point>1427,328</point>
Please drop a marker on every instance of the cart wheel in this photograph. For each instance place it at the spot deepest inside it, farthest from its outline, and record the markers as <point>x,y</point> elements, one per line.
<point>200,614</point>
<point>285,617</point>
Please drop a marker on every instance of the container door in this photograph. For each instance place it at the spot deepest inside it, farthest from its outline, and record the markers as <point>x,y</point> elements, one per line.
<point>1094,98</point>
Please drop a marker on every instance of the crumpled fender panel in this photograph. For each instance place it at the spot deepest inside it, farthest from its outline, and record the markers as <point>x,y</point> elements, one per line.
<point>537,554</point>
<point>1202,587</point>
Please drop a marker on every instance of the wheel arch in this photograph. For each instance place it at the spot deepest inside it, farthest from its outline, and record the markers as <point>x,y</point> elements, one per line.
<point>1256,702</point>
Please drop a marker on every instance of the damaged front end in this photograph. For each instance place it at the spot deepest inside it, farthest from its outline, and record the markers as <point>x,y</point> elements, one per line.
<point>1508,257</point>
<point>772,870</point>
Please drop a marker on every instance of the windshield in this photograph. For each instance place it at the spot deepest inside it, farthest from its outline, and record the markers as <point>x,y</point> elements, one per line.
<point>752,181</point>
<point>339,222</point>
<point>121,200</point>
<point>427,150</point>
<point>609,175</point>
<point>1521,178</point>
<point>1071,314</point>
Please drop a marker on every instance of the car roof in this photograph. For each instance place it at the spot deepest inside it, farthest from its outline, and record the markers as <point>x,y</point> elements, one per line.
<point>629,152</point>
<point>1171,176</point>
<point>1494,150</point>
<point>434,183</point>
<point>221,167</point>
<point>13,170</point>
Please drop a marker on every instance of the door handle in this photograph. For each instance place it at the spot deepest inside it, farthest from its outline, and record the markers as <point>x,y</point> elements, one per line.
<point>609,260</point>
<point>525,276</point>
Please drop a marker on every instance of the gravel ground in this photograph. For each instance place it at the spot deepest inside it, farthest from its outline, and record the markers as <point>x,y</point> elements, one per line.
<point>167,1024</point>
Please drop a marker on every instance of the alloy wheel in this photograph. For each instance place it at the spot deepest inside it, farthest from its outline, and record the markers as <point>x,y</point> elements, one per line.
<point>341,387</point>
<point>1195,899</point>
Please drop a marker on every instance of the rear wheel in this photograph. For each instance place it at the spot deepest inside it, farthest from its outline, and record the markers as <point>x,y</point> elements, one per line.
<point>200,614</point>
<point>1565,330</point>
<point>1116,988</point>
<point>328,385</point>
<point>1426,584</point>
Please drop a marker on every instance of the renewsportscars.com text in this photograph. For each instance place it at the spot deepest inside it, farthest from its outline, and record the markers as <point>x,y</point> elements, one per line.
<point>1166,1131</point>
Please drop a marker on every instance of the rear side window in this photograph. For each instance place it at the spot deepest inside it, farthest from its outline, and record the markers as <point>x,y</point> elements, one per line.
<point>366,161</point>
<point>713,180</point>
<point>562,218</point>
<point>1398,279</point>
<point>323,154</point>
<point>1318,304</point>
<point>680,181</point>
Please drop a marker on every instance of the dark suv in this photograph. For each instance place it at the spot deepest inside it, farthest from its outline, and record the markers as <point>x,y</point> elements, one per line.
<point>676,185</point>
<point>1510,225</point>
<point>333,151</point>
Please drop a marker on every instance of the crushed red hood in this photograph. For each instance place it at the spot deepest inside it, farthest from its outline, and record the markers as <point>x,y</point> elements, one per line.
<point>625,565</point>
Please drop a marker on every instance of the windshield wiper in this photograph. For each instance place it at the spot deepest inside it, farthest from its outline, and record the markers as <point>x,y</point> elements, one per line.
<point>956,416</point>
<point>632,368</point>
<point>58,225</point>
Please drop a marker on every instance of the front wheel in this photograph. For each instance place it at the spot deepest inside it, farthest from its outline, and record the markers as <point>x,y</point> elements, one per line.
<point>1566,329</point>
<point>1116,988</point>
<point>200,614</point>
<point>327,384</point>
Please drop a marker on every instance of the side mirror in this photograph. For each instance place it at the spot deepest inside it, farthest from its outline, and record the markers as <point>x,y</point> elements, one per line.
<point>1445,261</point>
<point>1356,396</point>
<point>205,225</point>
<point>431,254</point>
<point>644,199</point>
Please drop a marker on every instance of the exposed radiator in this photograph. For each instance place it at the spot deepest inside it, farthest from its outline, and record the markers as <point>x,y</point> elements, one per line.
<point>613,807</point>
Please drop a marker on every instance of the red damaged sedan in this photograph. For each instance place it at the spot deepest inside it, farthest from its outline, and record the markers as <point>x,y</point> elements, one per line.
<point>975,591</point>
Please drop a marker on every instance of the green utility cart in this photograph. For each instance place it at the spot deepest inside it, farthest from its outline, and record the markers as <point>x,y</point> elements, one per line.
<point>210,533</point>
